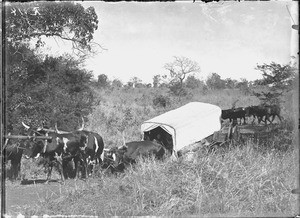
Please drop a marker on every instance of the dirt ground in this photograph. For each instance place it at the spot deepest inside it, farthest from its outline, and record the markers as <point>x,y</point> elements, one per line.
<point>31,193</point>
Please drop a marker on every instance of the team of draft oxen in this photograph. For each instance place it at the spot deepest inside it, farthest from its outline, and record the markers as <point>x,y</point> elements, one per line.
<point>77,153</point>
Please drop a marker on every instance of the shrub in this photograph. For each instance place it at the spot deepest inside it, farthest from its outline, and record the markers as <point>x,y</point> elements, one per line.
<point>161,101</point>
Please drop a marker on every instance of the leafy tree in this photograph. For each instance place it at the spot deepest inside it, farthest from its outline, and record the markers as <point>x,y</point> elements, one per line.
<point>257,82</point>
<point>140,85</point>
<point>44,88</point>
<point>192,82</point>
<point>55,90</point>
<point>116,84</point>
<point>278,79</point>
<point>230,83</point>
<point>156,80</point>
<point>161,101</point>
<point>178,71</point>
<point>129,84</point>
<point>103,81</point>
<point>134,81</point>
<point>243,85</point>
<point>277,76</point>
<point>214,81</point>
<point>64,20</point>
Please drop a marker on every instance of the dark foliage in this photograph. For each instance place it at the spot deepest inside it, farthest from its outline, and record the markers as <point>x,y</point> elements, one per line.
<point>46,88</point>
<point>53,89</point>
<point>25,21</point>
<point>214,81</point>
<point>277,79</point>
<point>161,101</point>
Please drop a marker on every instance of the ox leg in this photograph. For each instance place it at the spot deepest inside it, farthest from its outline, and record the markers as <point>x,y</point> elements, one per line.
<point>280,118</point>
<point>268,119</point>
<point>85,169</point>
<point>259,119</point>
<point>89,165</point>
<point>76,169</point>
<point>14,170</point>
<point>61,171</point>
<point>59,162</point>
<point>271,121</point>
<point>49,172</point>
<point>254,117</point>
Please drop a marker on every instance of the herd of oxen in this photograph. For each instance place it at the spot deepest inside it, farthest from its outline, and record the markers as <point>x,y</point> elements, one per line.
<point>260,113</point>
<point>76,154</point>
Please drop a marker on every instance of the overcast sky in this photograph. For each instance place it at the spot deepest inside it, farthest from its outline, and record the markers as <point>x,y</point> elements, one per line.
<point>228,38</point>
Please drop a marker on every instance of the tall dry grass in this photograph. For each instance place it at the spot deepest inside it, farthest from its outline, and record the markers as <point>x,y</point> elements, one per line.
<point>241,181</point>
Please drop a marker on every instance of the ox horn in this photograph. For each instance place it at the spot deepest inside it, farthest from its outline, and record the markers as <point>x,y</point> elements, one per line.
<point>56,130</point>
<point>82,126</point>
<point>26,127</point>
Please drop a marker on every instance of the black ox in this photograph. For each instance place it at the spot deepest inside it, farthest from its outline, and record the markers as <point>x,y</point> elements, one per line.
<point>12,152</point>
<point>269,112</point>
<point>233,114</point>
<point>128,154</point>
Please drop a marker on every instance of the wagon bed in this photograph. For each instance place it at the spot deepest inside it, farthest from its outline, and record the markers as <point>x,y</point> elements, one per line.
<point>241,133</point>
<point>254,131</point>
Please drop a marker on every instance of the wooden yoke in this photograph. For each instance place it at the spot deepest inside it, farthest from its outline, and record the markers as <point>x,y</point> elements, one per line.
<point>26,137</point>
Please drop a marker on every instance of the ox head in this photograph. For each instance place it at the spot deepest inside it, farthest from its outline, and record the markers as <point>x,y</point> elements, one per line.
<point>35,146</point>
<point>33,149</point>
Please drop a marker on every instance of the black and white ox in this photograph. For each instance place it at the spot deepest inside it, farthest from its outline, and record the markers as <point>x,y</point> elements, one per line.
<point>80,146</point>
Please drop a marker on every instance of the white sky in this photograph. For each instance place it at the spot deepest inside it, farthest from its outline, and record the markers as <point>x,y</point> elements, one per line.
<point>228,38</point>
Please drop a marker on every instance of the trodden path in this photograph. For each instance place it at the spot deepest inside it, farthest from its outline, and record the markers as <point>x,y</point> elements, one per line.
<point>31,194</point>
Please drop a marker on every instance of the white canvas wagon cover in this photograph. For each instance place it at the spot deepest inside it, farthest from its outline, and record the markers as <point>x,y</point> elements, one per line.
<point>187,124</point>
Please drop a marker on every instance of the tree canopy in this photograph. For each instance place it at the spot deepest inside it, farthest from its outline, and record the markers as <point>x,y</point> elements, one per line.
<point>214,81</point>
<point>66,20</point>
<point>179,69</point>
<point>53,89</point>
<point>44,88</point>
<point>277,79</point>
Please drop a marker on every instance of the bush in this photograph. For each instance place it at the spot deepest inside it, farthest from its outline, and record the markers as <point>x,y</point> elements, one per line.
<point>161,101</point>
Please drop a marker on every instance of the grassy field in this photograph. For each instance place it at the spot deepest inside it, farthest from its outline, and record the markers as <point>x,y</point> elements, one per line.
<point>248,179</point>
